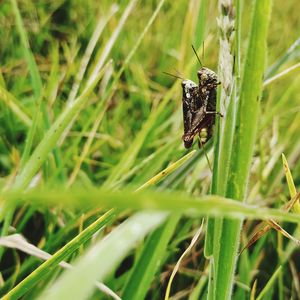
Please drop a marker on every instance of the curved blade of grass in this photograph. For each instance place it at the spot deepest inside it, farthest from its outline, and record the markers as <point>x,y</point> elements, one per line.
<point>15,107</point>
<point>150,260</point>
<point>261,231</point>
<point>97,262</point>
<point>290,182</point>
<point>270,284</point>
<point>253,290</point>
<point>167,171</point>
<point>49,265</point>
<point>280,75</point>
<point>176,268</point>
<point>160,201</point>
<point>292,53</point>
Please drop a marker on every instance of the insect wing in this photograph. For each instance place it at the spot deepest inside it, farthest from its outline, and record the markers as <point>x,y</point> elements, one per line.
<point>208,83</point>
<point>189,107</point>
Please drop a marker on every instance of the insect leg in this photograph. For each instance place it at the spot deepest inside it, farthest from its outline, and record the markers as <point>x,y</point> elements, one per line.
<point>213,113</point>
<point>201,145</point>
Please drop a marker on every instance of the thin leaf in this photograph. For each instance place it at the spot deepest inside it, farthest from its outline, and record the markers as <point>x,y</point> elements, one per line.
<point>258,234</point>
<point>290,182</point>
<point>176,268</point>
<point>149,200</point>
<point>270,284</point>
<point>167,171</point>
<point>49,265</point>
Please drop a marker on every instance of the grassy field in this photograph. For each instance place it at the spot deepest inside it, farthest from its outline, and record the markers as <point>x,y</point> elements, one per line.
<point>100,199</point>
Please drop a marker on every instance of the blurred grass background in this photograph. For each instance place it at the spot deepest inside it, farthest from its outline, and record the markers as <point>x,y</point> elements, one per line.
<point>138,133</point>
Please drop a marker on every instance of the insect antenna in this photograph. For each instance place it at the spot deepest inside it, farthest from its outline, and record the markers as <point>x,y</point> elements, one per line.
<point>176,76</point>
<point>178,73</point>
<point>197,55</point>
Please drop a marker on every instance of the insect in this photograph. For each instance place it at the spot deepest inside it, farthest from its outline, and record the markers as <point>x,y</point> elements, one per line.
<point>199,105</point>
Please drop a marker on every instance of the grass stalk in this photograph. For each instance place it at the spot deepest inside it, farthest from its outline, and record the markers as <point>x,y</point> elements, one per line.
<point>244,124</point>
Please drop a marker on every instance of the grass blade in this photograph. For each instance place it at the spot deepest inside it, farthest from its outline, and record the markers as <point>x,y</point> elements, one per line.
<point>30,281</point>
<point>270,284</point>
<point>176,268</point>
<point>150,260</point>
<point>290,182</point>
<point>100,260</point>
<point>227,234</point>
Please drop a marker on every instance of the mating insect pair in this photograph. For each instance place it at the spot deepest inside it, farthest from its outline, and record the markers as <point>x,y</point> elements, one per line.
<point>199,105</point>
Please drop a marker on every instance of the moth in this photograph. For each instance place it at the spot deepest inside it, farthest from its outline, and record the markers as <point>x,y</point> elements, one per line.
<point>199,106</point>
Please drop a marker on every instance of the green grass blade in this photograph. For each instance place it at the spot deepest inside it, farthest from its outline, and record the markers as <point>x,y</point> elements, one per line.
<point>229,78</point>
<point>226,105</point>
<point>290,182</point>
<point>249,100</point>
<point>200,27</point>
<point>30,281</point>
<point>176,268</point>
<point>149,261</point>
<point>270,284</point>
<point>161,201</point>
<point>167,170</point>
<point>14,105</point>
<point>225,252</point>
<point>100,260</point>
<point>292,53</point>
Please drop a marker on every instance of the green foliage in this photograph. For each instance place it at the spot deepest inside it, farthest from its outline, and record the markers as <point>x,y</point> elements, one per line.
<point>92,166</point>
